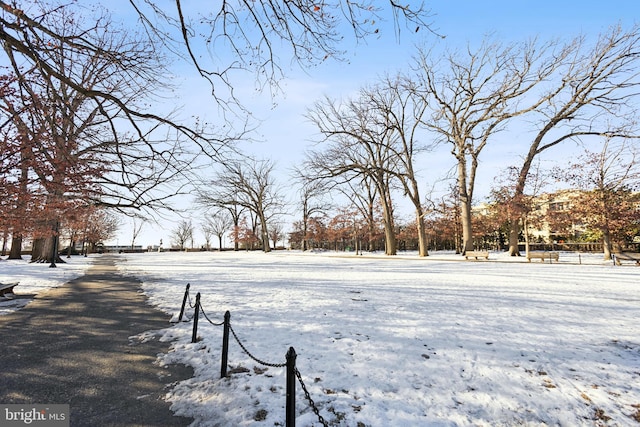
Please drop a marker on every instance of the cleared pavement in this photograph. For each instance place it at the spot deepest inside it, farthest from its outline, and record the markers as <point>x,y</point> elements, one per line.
<point>72,345</point>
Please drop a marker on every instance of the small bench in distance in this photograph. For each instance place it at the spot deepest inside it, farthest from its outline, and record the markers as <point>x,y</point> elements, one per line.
<point>626,256</point>
<point>542,256</point>
<point>476,254</point>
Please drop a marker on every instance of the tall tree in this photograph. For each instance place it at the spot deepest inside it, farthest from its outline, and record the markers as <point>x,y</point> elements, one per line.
<point>360,139</point>
<point>594,94</point>
<point>15,201</point>
<point>472,95</point>
<point>251,185</point>
<point>313,193</point>
<point>218,224</point>
<point>403,107</point>
<point>182,233</point>
<point>75,150</point>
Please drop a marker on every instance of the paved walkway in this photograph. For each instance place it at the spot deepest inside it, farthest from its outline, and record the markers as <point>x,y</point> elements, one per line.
<point>71,346</point>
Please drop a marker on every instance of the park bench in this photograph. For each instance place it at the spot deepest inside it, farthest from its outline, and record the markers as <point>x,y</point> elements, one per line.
<point>6,289</point>
<point>626,256</point>
<point>542,256</point>
<point>476,254</point>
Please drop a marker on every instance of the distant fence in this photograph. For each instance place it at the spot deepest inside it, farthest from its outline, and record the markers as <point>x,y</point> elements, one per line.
<point>289,364</point>
<point>571,247</point>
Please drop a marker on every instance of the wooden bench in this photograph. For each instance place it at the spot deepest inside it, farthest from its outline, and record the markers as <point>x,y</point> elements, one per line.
<point>542,256</point>
<point>476,254</point>
<point>626,256</point>
<point>6,289</point>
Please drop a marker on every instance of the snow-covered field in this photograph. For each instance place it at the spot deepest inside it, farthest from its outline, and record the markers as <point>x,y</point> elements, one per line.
<point>403,341</point>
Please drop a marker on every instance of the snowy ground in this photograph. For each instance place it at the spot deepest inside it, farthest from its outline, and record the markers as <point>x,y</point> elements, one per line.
<point>36,277</point>
<point>403,341</point>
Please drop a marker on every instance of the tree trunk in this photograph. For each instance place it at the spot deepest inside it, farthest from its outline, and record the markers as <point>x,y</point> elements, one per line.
<point>525,227</point>
<point>422,234</point>
<point>606,244</point>
<point>264,234</point>
<point>305,245</point>
<point>44,251</point>
<point>412,189</point>
<point>391,246</point>
<point>467,230</point>
<point>5,235</point>
<point>464,183</point>
<point>16,247</point>
<point>514,233</point>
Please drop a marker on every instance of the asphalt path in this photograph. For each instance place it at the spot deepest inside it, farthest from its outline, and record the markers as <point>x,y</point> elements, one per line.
<point>72,345</point>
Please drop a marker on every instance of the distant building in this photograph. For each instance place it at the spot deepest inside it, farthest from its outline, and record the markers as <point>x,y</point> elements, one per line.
<point>553,205</point>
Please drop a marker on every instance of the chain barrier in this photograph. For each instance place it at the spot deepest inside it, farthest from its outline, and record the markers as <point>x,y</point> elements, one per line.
<point>273,365</point>
<point>289,364</point>
<point>207,317</point>
<point>307,395</point>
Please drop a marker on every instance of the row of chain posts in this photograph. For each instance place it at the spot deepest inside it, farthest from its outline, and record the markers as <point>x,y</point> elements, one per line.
<point>290,364</point>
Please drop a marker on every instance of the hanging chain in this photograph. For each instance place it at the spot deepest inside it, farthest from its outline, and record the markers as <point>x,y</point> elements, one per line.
<point>273,365</point>
<point>189,298</point>
<point>207,317</point>
<point>311,402</point>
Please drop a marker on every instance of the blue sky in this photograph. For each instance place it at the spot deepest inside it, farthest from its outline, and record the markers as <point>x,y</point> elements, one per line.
<point>286,134</point>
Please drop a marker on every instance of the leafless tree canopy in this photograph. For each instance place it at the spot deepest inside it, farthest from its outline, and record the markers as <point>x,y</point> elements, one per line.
<point>238,35</point>
<point>246,184</point>
<point>246,35</point>
<point>360,140</point>
<point>182,234</point>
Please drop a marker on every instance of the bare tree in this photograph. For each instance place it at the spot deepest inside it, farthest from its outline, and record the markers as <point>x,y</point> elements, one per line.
<point>359,138</point>
<point>217,224</point>
<point>472,95</point>
<point>595,95</point>
<point>219,198</point>
<point>313,201</point>
<point>249,184</point>
<point>182,233</point>
<point>136,229</point>
<point>403,107</point>
<point>207,233</point>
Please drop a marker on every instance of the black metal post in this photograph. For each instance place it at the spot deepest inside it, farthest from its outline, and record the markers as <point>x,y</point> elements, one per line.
<point>54,250</point>
<point>194,336</point>
<point>225,345</point>
<point>184,302</point>
<point>291,356</point>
